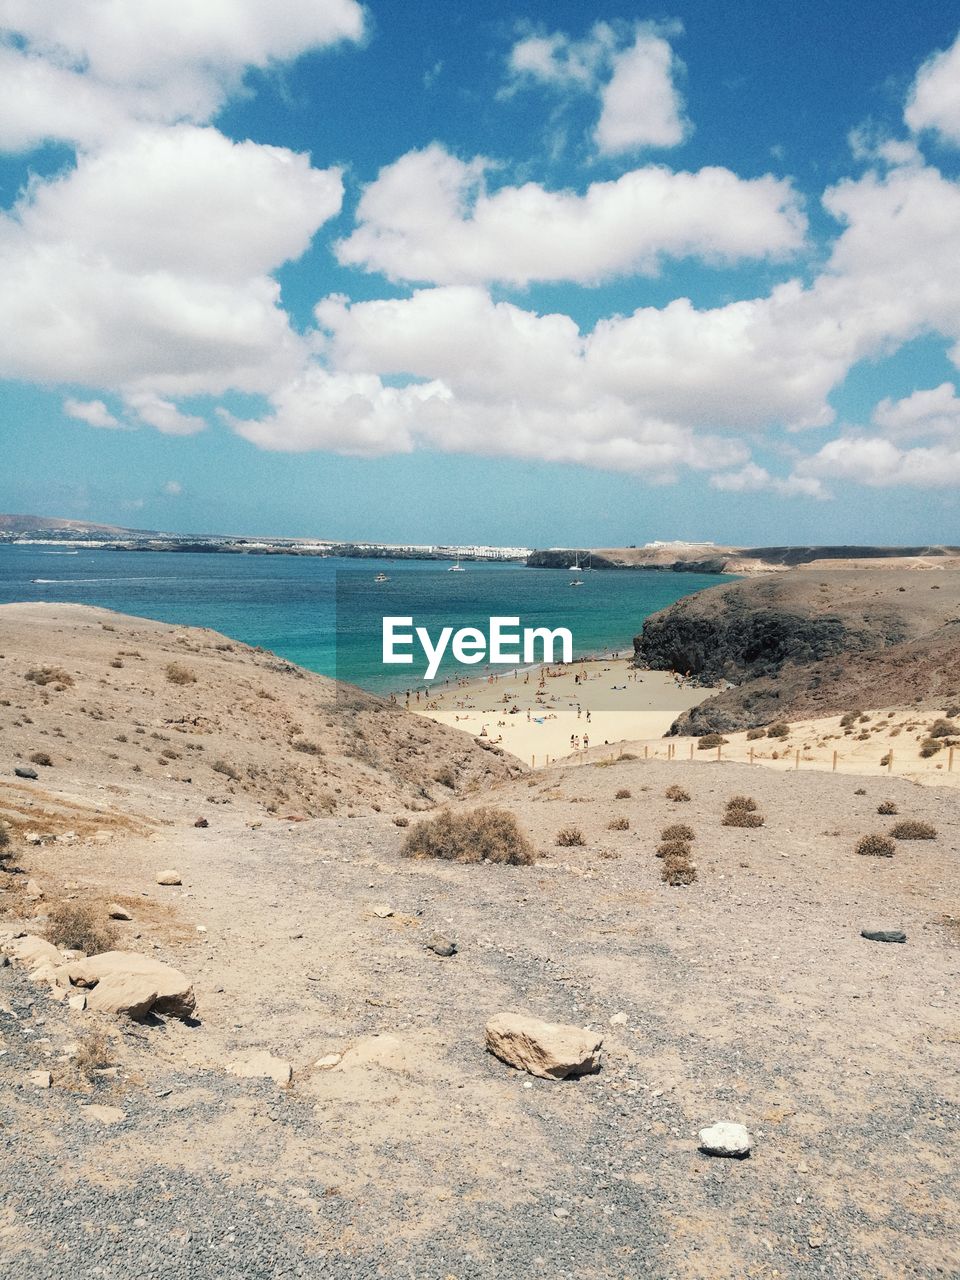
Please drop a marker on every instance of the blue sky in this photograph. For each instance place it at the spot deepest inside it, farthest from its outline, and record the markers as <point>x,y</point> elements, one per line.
<point>506,273</point>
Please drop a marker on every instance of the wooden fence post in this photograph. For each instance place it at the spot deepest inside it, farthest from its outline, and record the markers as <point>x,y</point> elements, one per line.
<point>751,755</point>
<point>719,751</point>
<point>645,750</point>
<point>890,761</point>
<point>950,761</point>
<point>796,763</point>
<point>691,750</point>
<point>834,762</point>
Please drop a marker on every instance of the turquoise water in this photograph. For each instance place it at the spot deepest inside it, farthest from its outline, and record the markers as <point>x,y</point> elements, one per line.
<point>290,604</point>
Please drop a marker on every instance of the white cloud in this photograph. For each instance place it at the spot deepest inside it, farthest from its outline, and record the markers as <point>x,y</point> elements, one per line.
<point>641,107</point>
<point>756,479</point>
<point>93,412</point>
<point>173,488</point>
<point>632,71</point>
<point>78,72</point>
<point>148,264</point>
<point>880,464</point>
<point>429,217</point>
<point>934,101</point>
<point>924,413</point>
<point>149,408</point>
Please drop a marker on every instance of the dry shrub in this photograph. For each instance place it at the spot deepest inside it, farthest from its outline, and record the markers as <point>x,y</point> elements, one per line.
<point>94,1052</point>
<point>570,836</point>
<point>79,926</point>
<point>676,793</point>
<point>887,807</point>
<point>711,740</point>
<point>56,676</point>
<point>307,748</point>
<point>624,793</point>
<point>677,871</point>
<point>860,791</point>
<point>228,771</point>
<point>446,776</point>
<point>850,718</point>
<point>885,760</point>
<point>618,824</point>
<point>482,835</point>
<point>742,802</point>
<point>876,846</point>
<point>5,850</point>
<point>779,730</point>
<point>41,758</point>
<point>943,729</point>
<point>177,673</point>
<point>677,831</point>
<point>673,849</point>
<point>929,747</point>
<point>753,734</point>
<point>742,818</point>
<point>401,821</point>
<point>911,829</point>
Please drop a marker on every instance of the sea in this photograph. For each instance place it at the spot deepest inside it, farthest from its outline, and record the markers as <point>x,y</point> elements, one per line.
<point>326,614</point>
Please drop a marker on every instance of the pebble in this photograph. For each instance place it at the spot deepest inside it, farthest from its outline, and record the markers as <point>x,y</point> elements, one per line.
<point>618,1020</point>
<point>726,1139</point>
<point>442,946</point>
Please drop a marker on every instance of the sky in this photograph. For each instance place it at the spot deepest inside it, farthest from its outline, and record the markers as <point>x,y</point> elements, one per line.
<point>519,273</point>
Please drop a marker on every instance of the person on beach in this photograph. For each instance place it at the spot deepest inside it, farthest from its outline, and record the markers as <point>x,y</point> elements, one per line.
<point>586,742</point>
<point>588,717</point>
<point>573,742</point>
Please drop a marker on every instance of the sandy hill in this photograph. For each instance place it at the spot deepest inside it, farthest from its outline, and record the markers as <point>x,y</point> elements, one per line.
<point>799,646</point>
<point>162,717</point>
<point>709,558</point>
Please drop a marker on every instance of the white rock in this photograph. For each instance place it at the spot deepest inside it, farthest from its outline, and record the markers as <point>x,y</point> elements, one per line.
<point>105,1115</point>
<point>32,951</point>
<point>550,1050</point>
<point>174,992</point>
<point>383,911</point>
<point>116,912</point>
<point>34,890</point>
<point>726,1139</point>
<point>262,1064</point>
<point>329,1060</point>
<point>41,1079</point>
<point>169,877</point>
<point>77,1003</point>
<point>618,1020</point>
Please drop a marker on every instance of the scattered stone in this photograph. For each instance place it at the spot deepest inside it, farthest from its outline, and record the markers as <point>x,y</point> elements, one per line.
<point>201,822</point>
<point>131,993</point>
<point>726,1139</point>
<point>105,1115</point>
<point>260,1065</point>
<point>174,992</point>
<point>33,951</point>
<point>101,837</point>
<point>561,1213</point>
<point>26,773</point>
<point>34,890</point>
<point>169,877</point>
<point>116,912</point>
<point>329,1060</point>
<point>550,1050</point>
<point>442,946</point>
<point>77,1003</point>
<point>618,1020</point>
<point>383,911</point>
<point>41,1079</point>
<point>883,935</point>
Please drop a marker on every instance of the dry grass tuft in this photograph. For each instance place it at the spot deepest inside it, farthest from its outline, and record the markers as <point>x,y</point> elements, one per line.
<point>41,758</point>
<point>943,729</point>
<point>753,734</point>
<point>178,673</point>
<point>56,676</point>
<point>677,871</point>
<point>876,846</point>
<point>618,824</point>
<point>94,1052</point>
<point>742,802</point>
<point>742,818</point>
<point>911,829</point>
<point>711,740</point>
<point>887,807</point>
<point>673,849</point>
<point>481,835</point>
<point>676,793</point>
<point>570,836</point>
<point>677,831</point>
<point>624,793</point>
<point>779,730</point>
<point>79,926</point>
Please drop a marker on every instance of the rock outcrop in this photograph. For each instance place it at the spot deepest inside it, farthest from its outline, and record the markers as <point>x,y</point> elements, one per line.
<point>550,1050</point>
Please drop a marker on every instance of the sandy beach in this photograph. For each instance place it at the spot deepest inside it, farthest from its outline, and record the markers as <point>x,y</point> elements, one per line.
<point>563,710</point>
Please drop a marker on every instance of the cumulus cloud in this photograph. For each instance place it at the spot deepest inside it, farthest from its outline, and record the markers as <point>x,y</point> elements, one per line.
<point>429,217</point>
<point>173,488</point>
<point>79,72</point>
<point>93,412</point>
<point>149,408</point>
<point>934,101</point>
<point>756,479</point>
<point>148,264</point>
<point>881,464</point>
<point>631,71</point>
<point>924,413</point>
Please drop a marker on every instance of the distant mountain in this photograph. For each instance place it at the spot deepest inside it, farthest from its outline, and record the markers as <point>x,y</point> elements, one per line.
<point>54,525</point>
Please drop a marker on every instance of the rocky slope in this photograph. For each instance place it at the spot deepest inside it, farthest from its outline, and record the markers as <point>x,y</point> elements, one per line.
<point>154,711</point>
<point>794,645</point>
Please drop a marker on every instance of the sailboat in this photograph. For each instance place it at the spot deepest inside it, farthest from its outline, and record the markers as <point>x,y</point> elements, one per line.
<point>575,567</point>
<point>456,568</point>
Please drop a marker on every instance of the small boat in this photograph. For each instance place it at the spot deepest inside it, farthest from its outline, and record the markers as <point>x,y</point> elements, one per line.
<point>456,568</point>
<point>381,577</point>
<point>575,582</point>
<point>576,566</point>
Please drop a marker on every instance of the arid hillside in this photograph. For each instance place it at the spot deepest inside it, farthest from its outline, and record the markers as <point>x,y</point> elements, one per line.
<point>796,645</point>
<point>157,715</point>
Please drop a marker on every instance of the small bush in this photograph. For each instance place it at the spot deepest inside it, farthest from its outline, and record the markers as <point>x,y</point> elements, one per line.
<point>50,675</point>
<point>678,871</point>
<point>860,791</point>
<point>41,758</point>
<point>401,821</point>
<point>943,729</point>
<point>677,831</point>
<point>742,802</point>
<point>307,748</point>
<point>910,829</point>
<point>228,771</point>
<point>884,761</point>
<point>618,824</point>
<point>929,747</point>
<point>849,719</point>
<point>753,734</point>
<point>446,776</point>
<point>779,730</point>
<point>177,673</point>
<point>623,794</point>
<point>711,740</point>
<point>94,1052</point>
<point>876,846</point>
<point>5,850</point>
<point>742,818</point>
<point>569,836</point>
<point>78,926</point>
<point>673,849</point>
<point>482,835</point>
<point>676,793</point>
<point>887,807</point>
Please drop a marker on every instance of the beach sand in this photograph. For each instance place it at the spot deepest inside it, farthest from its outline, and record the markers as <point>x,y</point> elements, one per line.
<point>624,704</point>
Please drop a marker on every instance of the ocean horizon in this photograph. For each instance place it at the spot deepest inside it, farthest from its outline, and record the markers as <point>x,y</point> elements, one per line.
<point>324,613</point>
